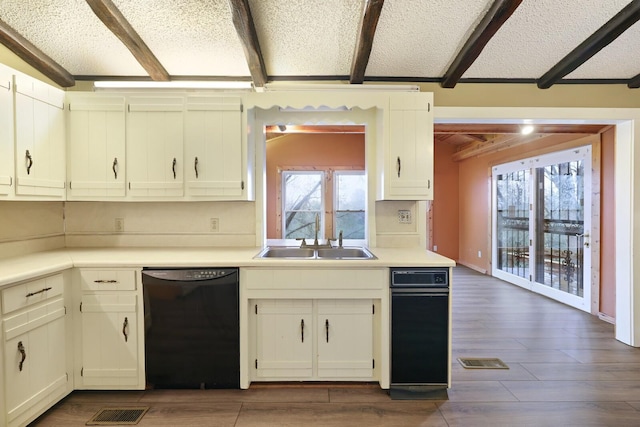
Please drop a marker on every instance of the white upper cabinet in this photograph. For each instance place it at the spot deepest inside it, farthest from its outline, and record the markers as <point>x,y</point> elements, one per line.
<point>6,134</point>
<point>40,139</point>
<point>407,161</point>
<point>215,157</point>
<point>155,134</point>
<point>96,147</point>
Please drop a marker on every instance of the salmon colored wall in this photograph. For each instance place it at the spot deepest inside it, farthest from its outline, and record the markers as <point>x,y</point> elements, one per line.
<point>607,227</point>
<point>326,150</point>
<point>474,206</point>
<point>444,208</point>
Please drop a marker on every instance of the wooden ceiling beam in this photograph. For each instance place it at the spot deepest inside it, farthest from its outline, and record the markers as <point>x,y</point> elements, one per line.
<point>634,82</point>
<point>243,21</point>
<point>604,35</point>
<point>364,44</point>
<point>501,142</point>
<point>33,56</point>
<point>506,128</point>
<point>113,19</point>
<point>496,16</point>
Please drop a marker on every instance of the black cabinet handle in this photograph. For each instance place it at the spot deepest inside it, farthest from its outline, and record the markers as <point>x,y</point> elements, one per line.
<point>195,166</point>
<point>30,294</point>
<point>399,166</point>
<point>302,330</point>
<point>125,325</point>
<point>105,281</point>
<point>326,328</point>
<point>173,167</point>
<point>23,353</point>
<point>115,165</point>
<point>29,161</point>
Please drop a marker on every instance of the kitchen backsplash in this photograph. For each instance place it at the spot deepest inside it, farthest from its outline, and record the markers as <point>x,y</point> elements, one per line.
<point>27,227</point>
<point>160,224</point>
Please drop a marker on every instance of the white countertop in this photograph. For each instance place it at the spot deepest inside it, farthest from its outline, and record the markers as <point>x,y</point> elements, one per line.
<point>42,263</point>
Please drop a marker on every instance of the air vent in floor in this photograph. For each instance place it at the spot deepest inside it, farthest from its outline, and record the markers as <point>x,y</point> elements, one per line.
<point>118,416</point>
<point>482,363</point>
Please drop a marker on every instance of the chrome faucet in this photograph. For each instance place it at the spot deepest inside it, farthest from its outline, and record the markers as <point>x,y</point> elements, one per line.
<point>315,240</point>
<point>339,239</point>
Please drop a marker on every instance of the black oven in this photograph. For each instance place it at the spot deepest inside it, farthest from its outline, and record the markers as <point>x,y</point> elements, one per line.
<point>420,344</point>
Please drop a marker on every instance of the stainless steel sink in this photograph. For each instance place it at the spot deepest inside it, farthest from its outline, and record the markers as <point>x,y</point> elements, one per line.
<point>290,252</point>
<point>286,252</point>
<point>344,253</point>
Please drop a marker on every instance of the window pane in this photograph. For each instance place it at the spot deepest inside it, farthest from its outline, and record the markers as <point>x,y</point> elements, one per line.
<point>303,191</point>
<point>351,190</point>
<point>351,224</point>
<point>300,224</point>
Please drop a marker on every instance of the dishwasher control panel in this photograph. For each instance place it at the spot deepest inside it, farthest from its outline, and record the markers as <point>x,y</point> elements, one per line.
<point>190,274</point>
<point>420,277</point>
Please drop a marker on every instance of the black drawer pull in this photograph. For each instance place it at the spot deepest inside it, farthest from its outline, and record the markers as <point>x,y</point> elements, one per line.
<point>326,328</point>
<point>302,329</point>
<point>125,325</point>
<point>105,281</point>
<point>24,355</point>
<point>30,294</point>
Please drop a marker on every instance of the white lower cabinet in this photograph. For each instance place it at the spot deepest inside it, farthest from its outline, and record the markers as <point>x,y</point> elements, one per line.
<point>323,339</point>
<point>35,371</point>
<point>110,344</point>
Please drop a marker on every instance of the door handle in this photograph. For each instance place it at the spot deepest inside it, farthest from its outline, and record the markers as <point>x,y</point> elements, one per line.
<point>173,167</point>
<point>195,166</point>
<point>115,165</point>
<point>302,330</point>
<point>23,353</point>
<point>584,236</point>
<point>29,161</point>
<point>125,325</point>
<point>326,328</point>
<point>398,166</point>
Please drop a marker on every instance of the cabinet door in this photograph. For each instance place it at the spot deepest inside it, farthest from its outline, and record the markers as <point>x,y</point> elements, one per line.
<point>284,339</point>
<point>154,147</point>
<point>6,133</point>
<point>96,147</point>
<point>410,159</point>
<point>35,360</point>
<point>109,341</point>
<point>40,139</point>
<point>213,148</point>
<point>345,338</point>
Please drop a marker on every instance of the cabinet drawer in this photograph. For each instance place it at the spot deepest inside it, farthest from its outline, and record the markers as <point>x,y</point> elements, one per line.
<point>33,292</point>
<point>25,321</point>
<point>108,280</point>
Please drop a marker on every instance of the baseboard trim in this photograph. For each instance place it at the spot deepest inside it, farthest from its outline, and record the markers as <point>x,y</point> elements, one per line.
<point>471,266</point>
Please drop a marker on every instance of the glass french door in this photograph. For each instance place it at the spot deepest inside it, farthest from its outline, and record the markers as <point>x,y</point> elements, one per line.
<point>542,222</point>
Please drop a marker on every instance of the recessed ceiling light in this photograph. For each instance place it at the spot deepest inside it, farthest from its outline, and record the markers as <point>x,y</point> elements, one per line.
<point>526,130</point>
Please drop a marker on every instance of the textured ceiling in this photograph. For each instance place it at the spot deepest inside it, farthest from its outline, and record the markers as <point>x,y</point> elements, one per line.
<point>415,40</point>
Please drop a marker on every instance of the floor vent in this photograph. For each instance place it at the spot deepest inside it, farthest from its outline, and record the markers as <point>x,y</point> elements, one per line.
<point>482,363</point>
<point>118,416</point>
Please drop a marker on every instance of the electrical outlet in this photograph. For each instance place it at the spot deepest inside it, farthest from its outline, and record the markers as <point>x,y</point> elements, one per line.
<point>479,254</point>
<point>118,225</point>
<point>214,224</point>
<point>435,248</point>
<point>404,216</point>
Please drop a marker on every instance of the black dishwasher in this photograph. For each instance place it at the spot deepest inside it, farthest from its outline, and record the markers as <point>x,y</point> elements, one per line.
<point>192,327</point>
<point>419,333</point>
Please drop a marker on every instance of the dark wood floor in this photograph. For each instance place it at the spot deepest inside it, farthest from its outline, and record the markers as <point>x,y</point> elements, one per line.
<point>566,369</point>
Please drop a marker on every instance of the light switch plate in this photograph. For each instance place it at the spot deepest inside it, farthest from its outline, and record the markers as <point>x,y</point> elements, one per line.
<point>404,216</point>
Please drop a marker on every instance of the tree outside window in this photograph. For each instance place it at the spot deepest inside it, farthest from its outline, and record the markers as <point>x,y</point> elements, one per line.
<point>336,198</point>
